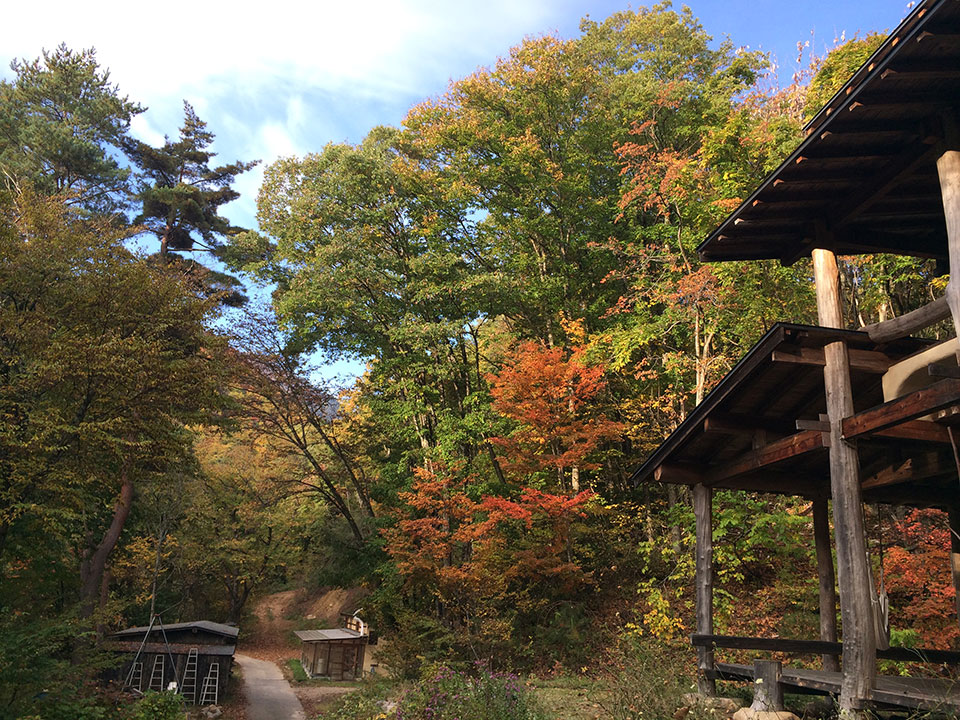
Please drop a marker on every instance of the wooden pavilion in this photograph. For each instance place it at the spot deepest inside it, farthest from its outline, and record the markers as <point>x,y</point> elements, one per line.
<point>831,414</point>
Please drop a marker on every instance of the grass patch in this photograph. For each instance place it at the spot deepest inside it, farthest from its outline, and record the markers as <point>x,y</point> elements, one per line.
<point>297,670</point>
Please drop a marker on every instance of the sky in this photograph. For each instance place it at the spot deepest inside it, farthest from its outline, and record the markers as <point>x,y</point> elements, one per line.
<point>281,78</point>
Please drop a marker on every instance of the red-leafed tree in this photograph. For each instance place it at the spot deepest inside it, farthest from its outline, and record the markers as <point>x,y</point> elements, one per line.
<point>917,578</point>
<point>552,396</point>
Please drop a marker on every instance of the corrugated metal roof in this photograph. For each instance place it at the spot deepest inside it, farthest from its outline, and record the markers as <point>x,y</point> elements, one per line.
<point>229,631</point>
<point>326,635</point>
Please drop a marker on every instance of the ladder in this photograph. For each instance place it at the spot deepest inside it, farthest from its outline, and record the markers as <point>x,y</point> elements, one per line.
<point>136,677</point>
<point>156,675</point>
<point>188,687</point>
<point>211,685</point>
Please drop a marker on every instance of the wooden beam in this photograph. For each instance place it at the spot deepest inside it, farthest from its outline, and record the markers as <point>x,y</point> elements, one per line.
<point>723,424</point>
<point>855,578</point>
<point>703,513</point>
<point>920,430</point>
<point>886,179</point>
<point>870,361</point>
<point>922,317</point>
<point>921,402</point>
<point>777,451</point>
<point>827,582</point>
<point>920,467</point>
<point>932,68</point>
<point>678,474</point>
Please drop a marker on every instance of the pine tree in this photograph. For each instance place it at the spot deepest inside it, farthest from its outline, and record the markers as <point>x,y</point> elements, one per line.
<point>180,196</point>
<point>62,125</point>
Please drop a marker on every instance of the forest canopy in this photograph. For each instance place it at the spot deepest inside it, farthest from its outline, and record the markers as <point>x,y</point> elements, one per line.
<point>515,265</point>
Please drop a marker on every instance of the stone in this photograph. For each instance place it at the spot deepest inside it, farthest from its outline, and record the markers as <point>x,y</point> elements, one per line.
<point>746,713</point>
<point>211,712</point>
<point>719,706</point>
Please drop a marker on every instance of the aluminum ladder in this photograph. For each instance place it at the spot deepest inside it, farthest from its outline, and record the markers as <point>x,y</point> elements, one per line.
<point>188,687</point>
<point>211,685</point>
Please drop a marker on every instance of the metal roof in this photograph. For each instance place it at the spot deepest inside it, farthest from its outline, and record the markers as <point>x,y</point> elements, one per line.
<point>159,648</point>
<point>864,178</point>
<point>228,631</point>
<point>326,635</point>
<point>777,383</point>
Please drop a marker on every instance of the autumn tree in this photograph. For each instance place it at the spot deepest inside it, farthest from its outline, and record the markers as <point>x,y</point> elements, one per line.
<point>552,397</point>
<point>282,403</point>
<point>104,364</point>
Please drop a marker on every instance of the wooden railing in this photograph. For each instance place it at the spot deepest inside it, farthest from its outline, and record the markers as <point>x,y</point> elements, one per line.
<point>820,647</point>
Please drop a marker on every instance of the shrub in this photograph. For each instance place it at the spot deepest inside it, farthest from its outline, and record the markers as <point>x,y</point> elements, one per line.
<point>366,704</point>
<point>647,679</point>
<point>445,694</point>
<point>159,706</point>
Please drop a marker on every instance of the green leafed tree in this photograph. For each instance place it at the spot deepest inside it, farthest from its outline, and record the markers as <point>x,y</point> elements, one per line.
<point>104,364</point>
<point>62,128</point>
<point>180,197</point>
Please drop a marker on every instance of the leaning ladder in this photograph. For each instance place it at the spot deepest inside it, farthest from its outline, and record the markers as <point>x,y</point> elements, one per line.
<point>136,677</point>
<point>156,675</point>
<point>211,685</point>
<point>188,688</point>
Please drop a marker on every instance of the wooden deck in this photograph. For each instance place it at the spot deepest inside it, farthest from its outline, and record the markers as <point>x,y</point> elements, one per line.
<point>912,692</point>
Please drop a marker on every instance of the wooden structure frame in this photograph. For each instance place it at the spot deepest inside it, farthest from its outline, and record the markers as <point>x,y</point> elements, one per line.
<point>877,172</point>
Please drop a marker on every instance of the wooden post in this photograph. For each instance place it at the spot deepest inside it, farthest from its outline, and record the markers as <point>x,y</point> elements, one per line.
<point>948,168</point>
<point>703,512</point>
<point>828,587</point>
<point>856,589</point>
<point>767,690</point>
<point>955,552</point>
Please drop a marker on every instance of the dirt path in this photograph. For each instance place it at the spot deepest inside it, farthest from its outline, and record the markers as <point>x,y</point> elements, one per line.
<point>268,694</point>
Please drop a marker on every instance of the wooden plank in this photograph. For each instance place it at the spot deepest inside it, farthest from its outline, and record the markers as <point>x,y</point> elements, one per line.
<point>855,579</point>
<point>827,582</point>
<point>778,451</point>
<point>869,361</point>
<point>921,402</point>
<point>703,513</point>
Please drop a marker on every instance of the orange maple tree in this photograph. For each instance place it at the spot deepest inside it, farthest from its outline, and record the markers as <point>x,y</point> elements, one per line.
<point>552,397</point>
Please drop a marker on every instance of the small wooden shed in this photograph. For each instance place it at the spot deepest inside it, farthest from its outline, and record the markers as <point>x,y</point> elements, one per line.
<point>337,653</point>
<point>195,655</point>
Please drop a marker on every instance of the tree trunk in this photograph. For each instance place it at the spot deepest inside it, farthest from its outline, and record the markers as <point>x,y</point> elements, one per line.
<point>94,564</point>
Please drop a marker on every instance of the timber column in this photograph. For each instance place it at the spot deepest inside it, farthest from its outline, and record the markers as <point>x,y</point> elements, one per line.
<point>856,588</point>
<point>703,512</point>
